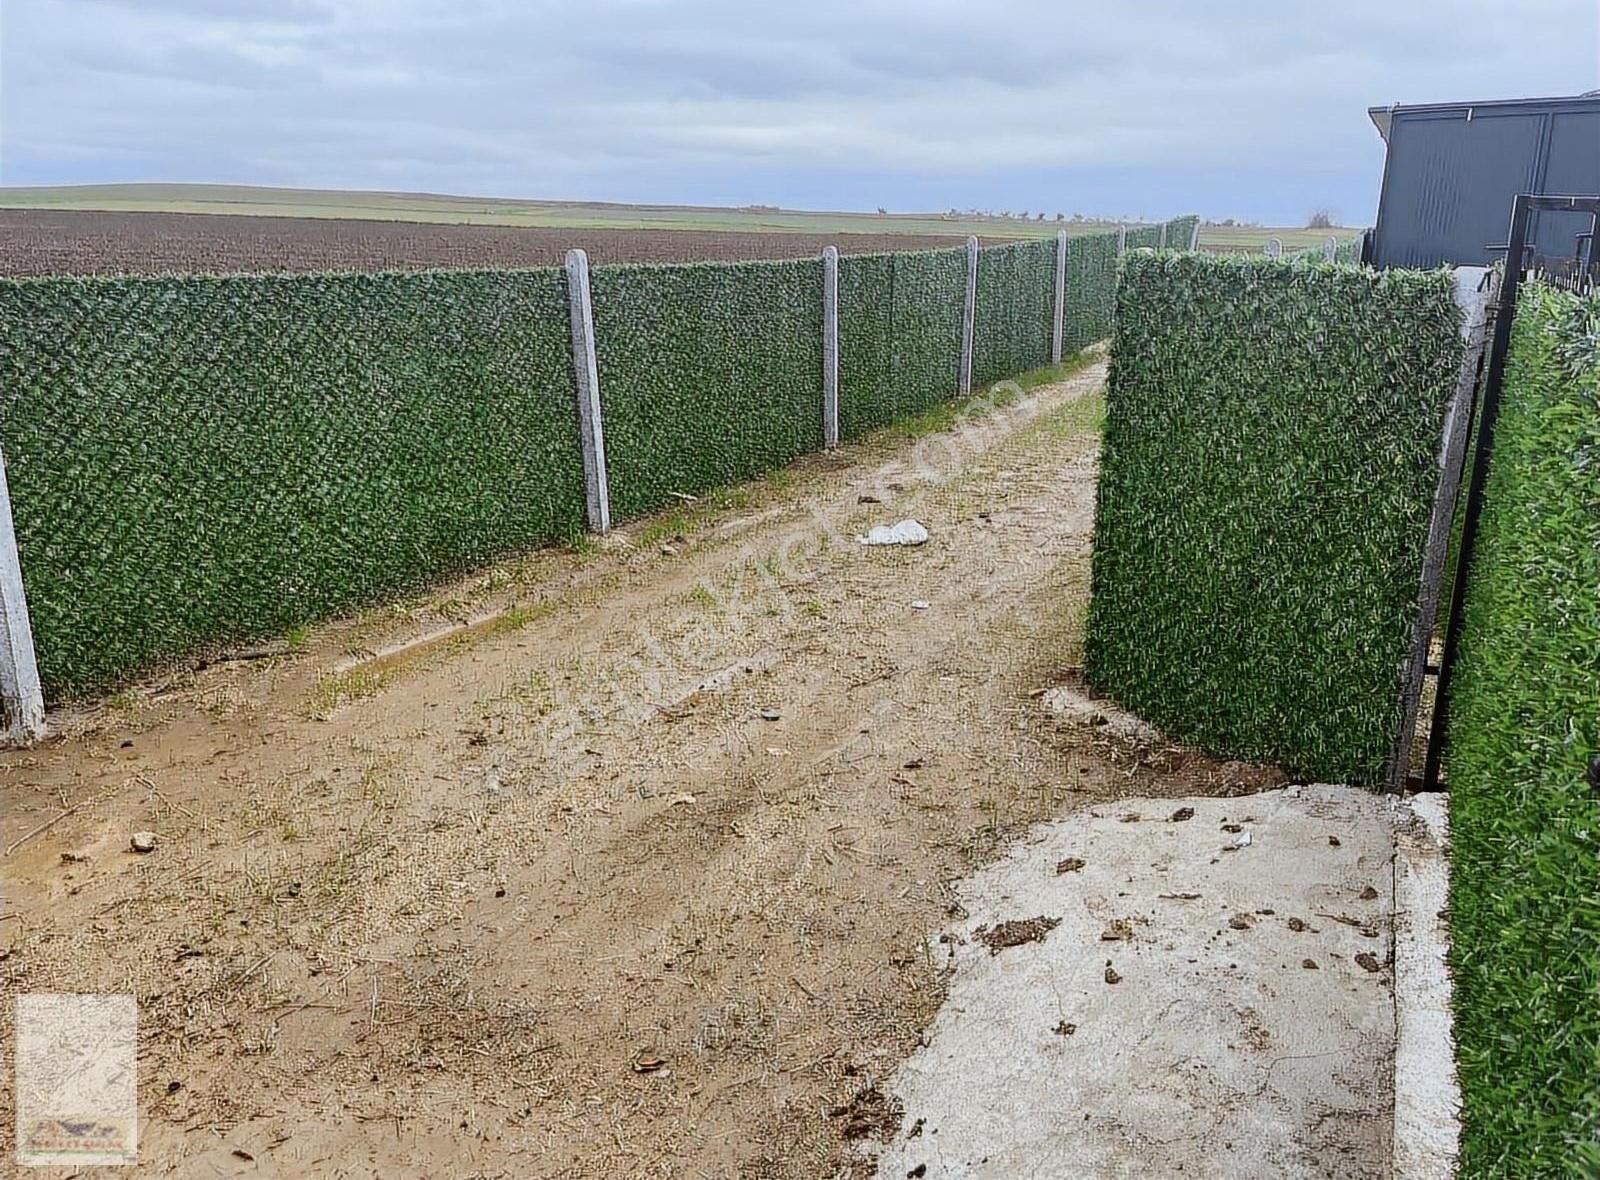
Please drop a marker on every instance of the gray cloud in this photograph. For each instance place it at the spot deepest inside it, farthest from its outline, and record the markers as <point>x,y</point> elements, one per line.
<point>1137,106</point>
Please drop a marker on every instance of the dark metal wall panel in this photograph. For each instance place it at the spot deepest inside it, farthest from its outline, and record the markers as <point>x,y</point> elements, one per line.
<point>1573,170</point>
<point>1449,183</point>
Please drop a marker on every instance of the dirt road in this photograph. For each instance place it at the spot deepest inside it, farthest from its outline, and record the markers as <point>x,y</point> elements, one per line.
<point>520,900</point>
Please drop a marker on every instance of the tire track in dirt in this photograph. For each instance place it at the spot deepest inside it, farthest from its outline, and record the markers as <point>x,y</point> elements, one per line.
<point>520,906</point>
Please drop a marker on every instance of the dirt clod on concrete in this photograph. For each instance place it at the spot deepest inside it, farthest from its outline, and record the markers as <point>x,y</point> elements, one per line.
<point>1016,932</point>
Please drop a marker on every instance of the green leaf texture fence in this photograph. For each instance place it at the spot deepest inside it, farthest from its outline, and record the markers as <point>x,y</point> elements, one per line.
<point>196,461</point>
<point>201,461</point>
<point>1267,477</point>
<point>1524,736</point>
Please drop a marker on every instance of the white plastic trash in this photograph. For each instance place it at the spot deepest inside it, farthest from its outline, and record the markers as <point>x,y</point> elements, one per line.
<point>905,532</point>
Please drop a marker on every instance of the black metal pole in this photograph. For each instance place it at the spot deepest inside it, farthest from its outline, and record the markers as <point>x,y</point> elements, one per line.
<point>1500,346</point>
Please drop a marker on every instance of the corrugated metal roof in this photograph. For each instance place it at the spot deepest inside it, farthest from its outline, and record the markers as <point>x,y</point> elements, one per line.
<point>1383,117</point>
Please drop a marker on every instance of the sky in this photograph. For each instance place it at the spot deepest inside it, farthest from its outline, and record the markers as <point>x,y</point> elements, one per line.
<point>1253,109</point>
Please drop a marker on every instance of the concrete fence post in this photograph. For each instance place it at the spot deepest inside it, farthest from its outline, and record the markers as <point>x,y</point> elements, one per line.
<point>1061,296</point>
<point>21,698</point>
<point>830,346</point>
<point>1274,248</point>
<point>597,496</point>
<point>1162,245</point>
<point>1194,236</point>
<point>1330,248</point>
<point>1122,240</point>
<point>969,314</point>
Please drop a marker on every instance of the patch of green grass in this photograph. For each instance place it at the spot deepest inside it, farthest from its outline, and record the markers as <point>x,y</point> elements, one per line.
<point>981,403</point>
<point>517,617</point>
<point>341,688</point>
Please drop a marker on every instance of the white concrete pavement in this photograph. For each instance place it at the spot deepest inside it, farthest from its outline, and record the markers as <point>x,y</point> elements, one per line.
<point>1205,1006</point>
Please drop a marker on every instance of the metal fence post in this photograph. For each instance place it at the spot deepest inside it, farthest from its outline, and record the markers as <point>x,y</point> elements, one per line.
<point>1474,290</point>
<point>1061,296</point>
<point>969,315</point>
<point>597,496</point>
<point>21,698</point>
<point>830,346</point>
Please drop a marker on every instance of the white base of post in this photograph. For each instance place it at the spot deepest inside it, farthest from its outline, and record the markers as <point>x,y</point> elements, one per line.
<point>597,494</point>
<point>969,315</point>
<point>21,698</point>
<point>830,346</point>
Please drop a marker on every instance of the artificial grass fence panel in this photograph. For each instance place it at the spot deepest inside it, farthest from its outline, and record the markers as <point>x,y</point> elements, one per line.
<point>1267,475</point>
<point>899,334</point>
<point>199,461</point>
<point>1015,308</point>
<point>710,373</point>
<point>1524,727</point>
<point>1091,291</point>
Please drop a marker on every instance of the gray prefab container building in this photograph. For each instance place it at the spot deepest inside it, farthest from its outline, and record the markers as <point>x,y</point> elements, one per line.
<point>1453,168</point>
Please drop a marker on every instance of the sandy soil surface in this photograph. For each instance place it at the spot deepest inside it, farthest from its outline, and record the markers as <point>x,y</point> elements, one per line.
<point>628,874</point>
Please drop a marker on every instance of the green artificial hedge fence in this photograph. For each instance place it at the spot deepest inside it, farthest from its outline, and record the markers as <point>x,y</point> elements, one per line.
<point>1267,476</point>
<point>195,461</point>
<point>1180,232</point>
<point>1524,725</point>
<point>1016,296</point>
<point>199,461</point>
<point>1143,237</point>
<point>1091,291</point>
<point>710,373</point>
<point>899,334</point>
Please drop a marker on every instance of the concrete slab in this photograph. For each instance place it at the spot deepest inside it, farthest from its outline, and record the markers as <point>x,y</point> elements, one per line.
<point>1427,1100</point>
<point>1201,1009</point>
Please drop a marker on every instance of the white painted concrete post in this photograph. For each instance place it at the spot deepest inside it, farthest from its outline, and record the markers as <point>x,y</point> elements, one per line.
<point>969,314</point>
<point>597,496</point>
<point>21,699</point>
<point>1194,237</point>
<point>1330,248</point>
<point>1162,245</point>
<point>1122,240</point>
<point>1061,296</point>
<point>1274,248</point>
<point>830,346</point>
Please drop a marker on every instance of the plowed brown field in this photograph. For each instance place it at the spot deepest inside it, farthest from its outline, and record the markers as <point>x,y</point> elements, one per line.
<point>45,242</point>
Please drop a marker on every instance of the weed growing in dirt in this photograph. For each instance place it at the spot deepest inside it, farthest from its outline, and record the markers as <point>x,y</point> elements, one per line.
<point>340,688</point>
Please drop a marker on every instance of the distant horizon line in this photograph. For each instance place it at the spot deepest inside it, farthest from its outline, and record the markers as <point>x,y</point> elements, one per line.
<point>1032,216</point>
